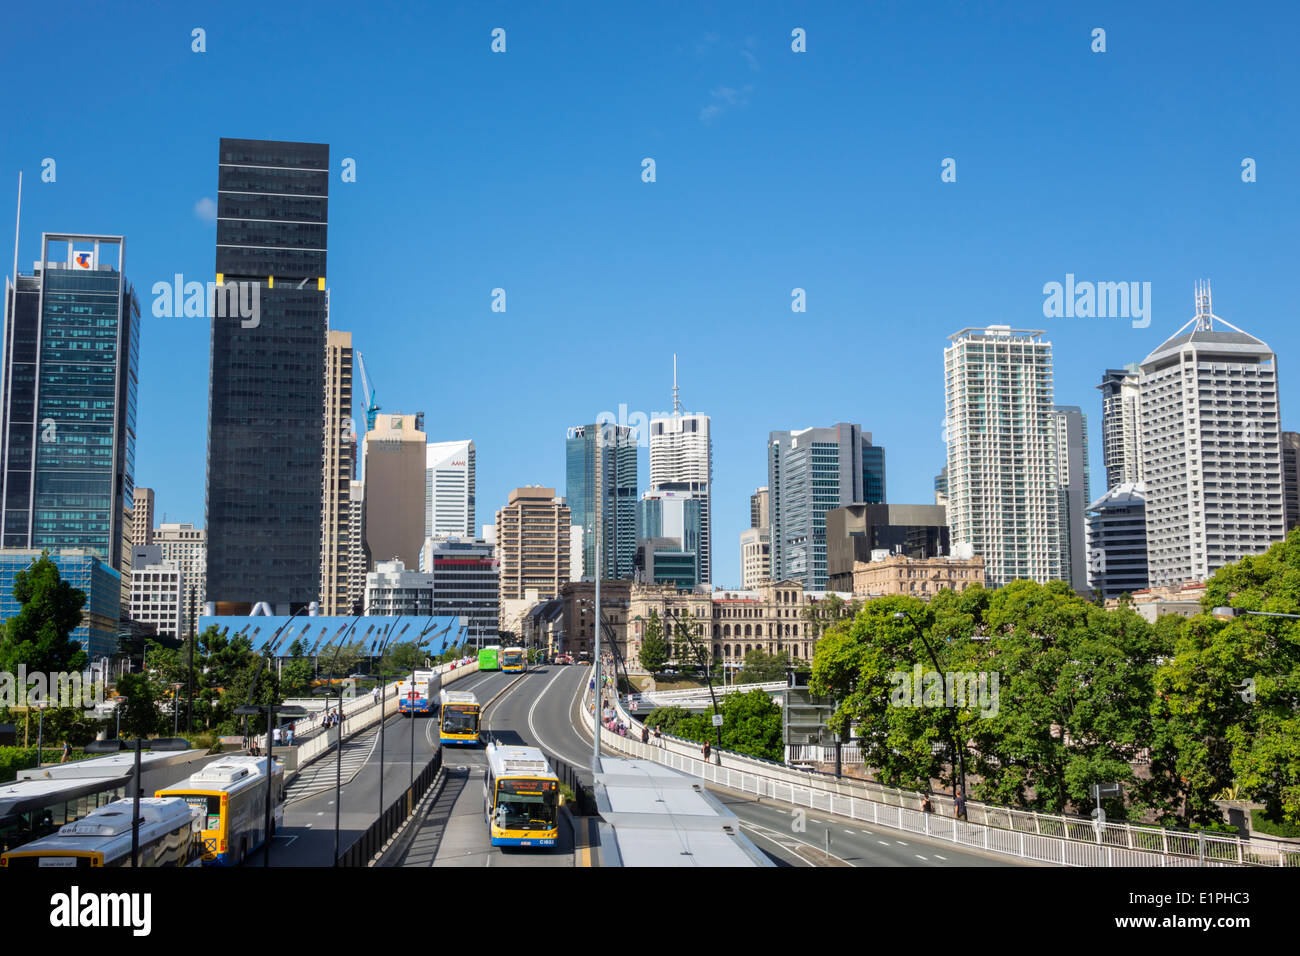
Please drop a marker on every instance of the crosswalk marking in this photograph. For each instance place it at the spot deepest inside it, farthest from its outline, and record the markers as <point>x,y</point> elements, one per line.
<point>321,776</point>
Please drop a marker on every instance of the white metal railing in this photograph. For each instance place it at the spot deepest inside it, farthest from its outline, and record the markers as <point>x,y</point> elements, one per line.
<point>1023,833</point>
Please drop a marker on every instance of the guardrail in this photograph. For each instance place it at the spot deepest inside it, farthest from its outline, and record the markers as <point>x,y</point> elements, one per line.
<point>363,713</point>
<point>1019,833</point>
<point>376,836</point>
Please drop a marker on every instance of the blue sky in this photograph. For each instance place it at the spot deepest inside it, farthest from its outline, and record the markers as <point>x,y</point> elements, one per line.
<point>775,170</point>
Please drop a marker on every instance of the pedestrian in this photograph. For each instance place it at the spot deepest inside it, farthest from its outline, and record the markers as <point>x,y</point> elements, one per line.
<point>926,806</point>
<point>659,737</point>
<point>705,750</point>
<point>374,696</point>
<point>645,734</point>
<point>290,735</point>
<point>275,737</point>
<point>67,752</point>
<point>959,805</point>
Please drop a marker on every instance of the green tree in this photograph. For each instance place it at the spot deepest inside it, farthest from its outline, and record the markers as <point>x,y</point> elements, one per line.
<point>751,725</point>
<point>140,717</point>
<point>403,658</point>
<point>654,649</point>
<point>763,668</point>
<point>38,636</point>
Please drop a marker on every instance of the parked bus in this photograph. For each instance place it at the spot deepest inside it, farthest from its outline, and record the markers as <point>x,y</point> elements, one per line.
<point>487,658</point>
<point>103,838</point>
<point>460,716</point>
<point>514,660</point>
<point>521,797</point>
<point>418,693</point>
<point>229,799</point>
<point>43,799</point>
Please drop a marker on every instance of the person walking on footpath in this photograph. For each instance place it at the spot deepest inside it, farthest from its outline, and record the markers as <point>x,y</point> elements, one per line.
<point>645,734</point>
<point>705,750</point>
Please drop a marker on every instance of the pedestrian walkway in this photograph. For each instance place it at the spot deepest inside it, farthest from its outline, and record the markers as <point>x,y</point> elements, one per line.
<point>323,773</point>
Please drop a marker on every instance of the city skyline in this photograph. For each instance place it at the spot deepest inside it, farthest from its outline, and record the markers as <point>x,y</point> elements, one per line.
<point>906,282</point>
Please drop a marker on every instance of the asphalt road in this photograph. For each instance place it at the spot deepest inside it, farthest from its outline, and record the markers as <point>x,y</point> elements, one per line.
<point>307,837</point>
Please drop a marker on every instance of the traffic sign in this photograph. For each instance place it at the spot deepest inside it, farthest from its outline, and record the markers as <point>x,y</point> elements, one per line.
<point>717,720</point>
<point>1100,790</point>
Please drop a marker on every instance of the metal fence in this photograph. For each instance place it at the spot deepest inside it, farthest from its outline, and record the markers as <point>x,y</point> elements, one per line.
<point>584,795</point>
<point>378,834</point>
<point>1047,838</point>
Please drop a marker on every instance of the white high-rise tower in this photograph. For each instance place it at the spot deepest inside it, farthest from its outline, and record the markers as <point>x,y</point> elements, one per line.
<point>681,455</point>
<point>1211,449</point>
<point>449,490</point>
<point>1003,476</point>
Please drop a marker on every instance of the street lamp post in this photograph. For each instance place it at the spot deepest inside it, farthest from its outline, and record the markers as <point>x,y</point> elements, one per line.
<point>958,754</point>
<point>271,710</point>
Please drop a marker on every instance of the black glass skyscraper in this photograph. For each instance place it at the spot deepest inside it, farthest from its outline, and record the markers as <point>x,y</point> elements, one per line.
<point>267,377</point>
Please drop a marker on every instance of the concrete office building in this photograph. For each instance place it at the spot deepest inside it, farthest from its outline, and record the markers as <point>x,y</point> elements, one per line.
<point>1117,541</point>
<point>267,379</point>
<point>533,541</point>
<point>394,489</point>
<point>809,472</point>
<point>157,591</point>
<point>1121,425</point>
<point>1075,491</point>
<point>142,514</point>
<point>186,547</point>
<point>854,533</point>
<point>1211,448</point>
<point>665,561</point>
<point>1003,479</point>
<point>338,470</point>
<point>941,487</point>
<point>392,589</point>
<point>760,508</point>
<point>465,585</point>
<point>681,459</point>
<point>449,489</point>
<point>755,557</point>
<point>601,485</point>
<point>357,561</point>
<point>68,411</point>
<point>674,512</point>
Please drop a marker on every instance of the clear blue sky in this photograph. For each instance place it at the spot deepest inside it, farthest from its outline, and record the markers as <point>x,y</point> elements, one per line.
<point>776,170</point>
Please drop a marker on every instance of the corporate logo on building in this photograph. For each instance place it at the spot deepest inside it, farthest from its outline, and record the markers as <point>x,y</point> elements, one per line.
<point>83,260</point>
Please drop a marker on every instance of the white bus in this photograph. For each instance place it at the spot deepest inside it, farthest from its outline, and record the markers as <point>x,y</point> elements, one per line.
<point>229,798</point>
<point>521,797</point>
<point>103,838</point>
<point>418,694</point>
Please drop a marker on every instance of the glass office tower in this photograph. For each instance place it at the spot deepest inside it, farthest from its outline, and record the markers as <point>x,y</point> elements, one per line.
<point>600,471</point>
<point>267,378</point>
<point>68,417</point>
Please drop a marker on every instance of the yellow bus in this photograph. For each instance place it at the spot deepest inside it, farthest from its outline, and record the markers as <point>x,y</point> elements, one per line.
<point>514,660</point>
<point>103,838</point>
<point>458,723</point>
<point>229,798</point>
<point>521,797</point>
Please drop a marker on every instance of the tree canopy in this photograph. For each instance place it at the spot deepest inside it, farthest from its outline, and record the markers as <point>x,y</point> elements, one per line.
<point>39,636</point>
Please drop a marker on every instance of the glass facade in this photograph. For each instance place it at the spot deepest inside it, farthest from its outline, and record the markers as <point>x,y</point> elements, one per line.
<point>601,479</point>
<point>97,632</point>
<point>69,417</point>
<point>267,381</point>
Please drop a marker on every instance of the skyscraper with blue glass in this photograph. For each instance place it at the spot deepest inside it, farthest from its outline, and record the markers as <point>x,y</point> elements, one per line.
<point>600,471</point>
<point>68,415</point>
<point>809,472</point>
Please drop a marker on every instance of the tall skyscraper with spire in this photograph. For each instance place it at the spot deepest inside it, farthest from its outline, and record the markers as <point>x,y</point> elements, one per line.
<point>681,460</point>
<point>1211,448</point>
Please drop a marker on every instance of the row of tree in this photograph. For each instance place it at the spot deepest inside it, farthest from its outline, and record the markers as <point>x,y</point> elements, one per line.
<point>1180,712</point>
<point>751,724</point>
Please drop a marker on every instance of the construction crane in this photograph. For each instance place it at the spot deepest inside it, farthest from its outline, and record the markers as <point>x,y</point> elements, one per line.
<point>372,408</point>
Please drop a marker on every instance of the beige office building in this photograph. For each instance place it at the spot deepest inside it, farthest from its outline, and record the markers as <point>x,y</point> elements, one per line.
<point>142,517</point>
<point>533,544</point>
<point>186,547</point>
<point>337,472</point>
<point>394,490</point>
<point>919,577</point>
<point>356,546</point>
<point>755,556</point>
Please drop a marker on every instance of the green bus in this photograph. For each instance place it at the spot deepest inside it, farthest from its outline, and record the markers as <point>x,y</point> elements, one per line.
<point>488,658</point>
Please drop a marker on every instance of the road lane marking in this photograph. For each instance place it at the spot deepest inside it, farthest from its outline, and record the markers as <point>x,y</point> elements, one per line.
<point>919,857</point>
<point>938,857</point>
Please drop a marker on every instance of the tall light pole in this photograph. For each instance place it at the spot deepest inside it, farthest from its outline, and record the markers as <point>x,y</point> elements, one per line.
<point>958,755</point>
<point>598,711</point>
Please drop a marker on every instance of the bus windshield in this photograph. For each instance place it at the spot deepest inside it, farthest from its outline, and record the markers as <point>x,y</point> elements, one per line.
<point>526,804</point>
<point>512,657</point>
<point>459,719</point>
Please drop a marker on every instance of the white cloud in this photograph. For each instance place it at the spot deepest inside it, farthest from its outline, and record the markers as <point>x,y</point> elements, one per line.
<point>206,209</point>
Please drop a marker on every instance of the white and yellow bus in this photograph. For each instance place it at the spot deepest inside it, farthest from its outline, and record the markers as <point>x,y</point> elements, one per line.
<point>521,797</point>
<point>458,722</point>
<point>514,660</point>
<point>229,797</point>
<point>103,838</point>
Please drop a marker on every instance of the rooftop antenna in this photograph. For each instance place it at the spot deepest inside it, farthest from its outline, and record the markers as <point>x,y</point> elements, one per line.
<point>677,402</point>
<point>18,217</point>
<point>1204,312</point>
